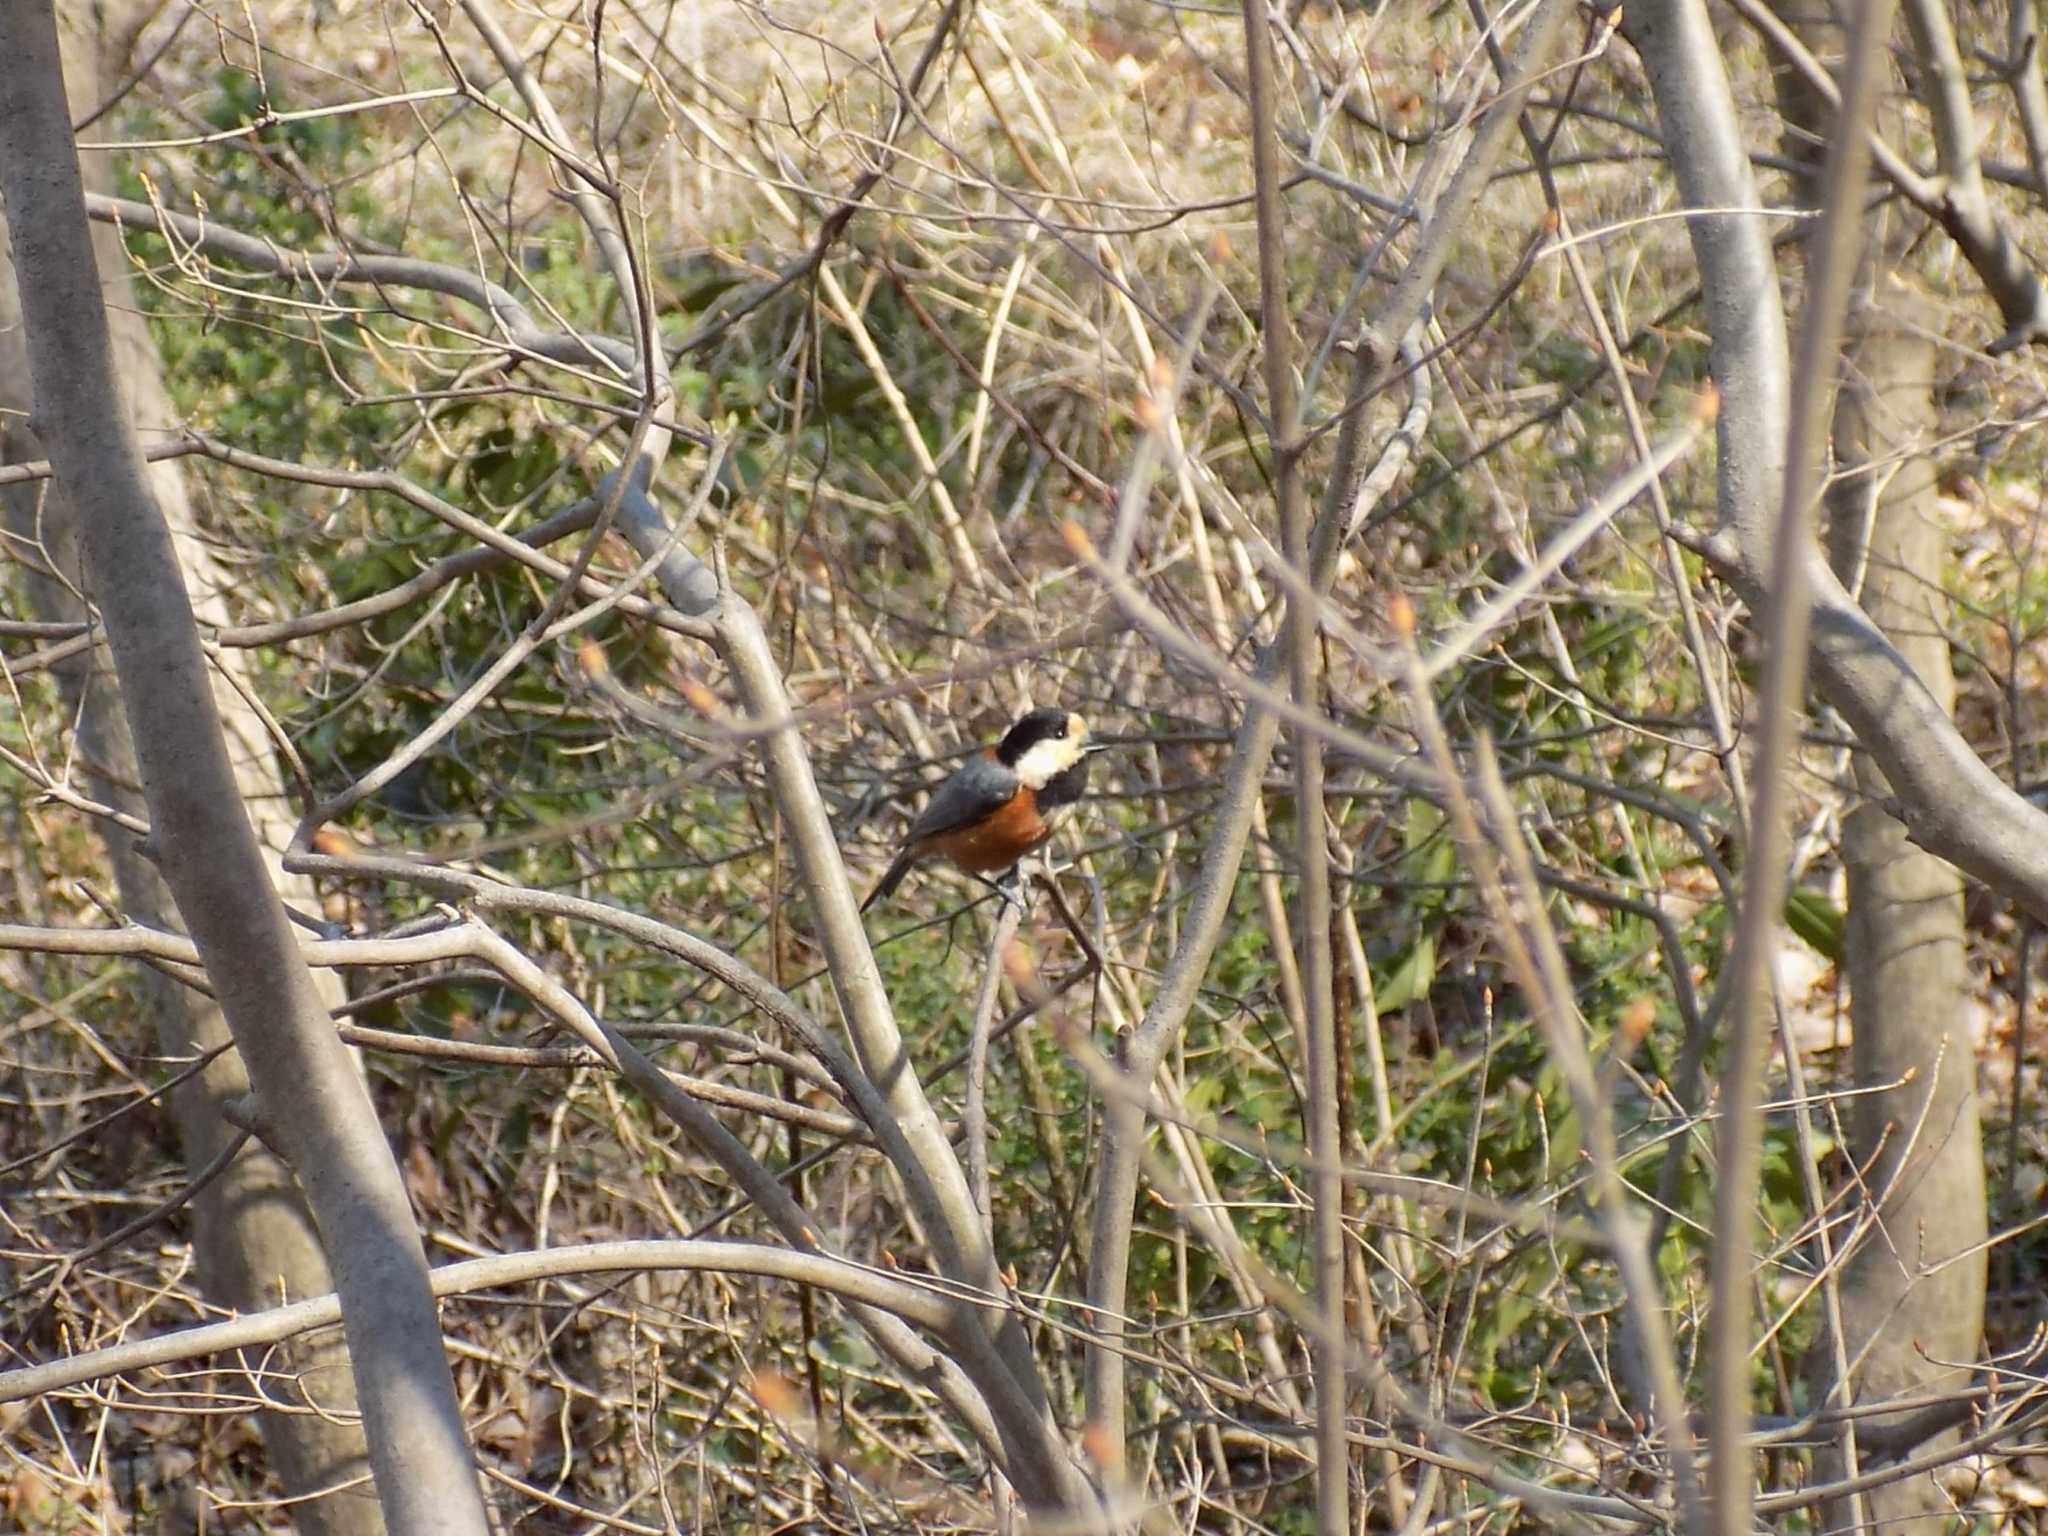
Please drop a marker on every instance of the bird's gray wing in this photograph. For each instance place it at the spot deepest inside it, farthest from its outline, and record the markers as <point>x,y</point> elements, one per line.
<point>979,789</point>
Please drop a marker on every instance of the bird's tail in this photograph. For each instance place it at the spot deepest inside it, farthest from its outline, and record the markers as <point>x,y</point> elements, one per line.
<point>891,878</point>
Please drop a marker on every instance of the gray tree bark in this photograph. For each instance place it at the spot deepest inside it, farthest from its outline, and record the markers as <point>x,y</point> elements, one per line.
<point>253,1236</point>
<point>309,1089</point>
<point>1909,1299</point>
<point>251,1232</point>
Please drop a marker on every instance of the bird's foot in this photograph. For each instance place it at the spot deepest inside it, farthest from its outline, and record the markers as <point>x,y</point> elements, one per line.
<point>1011,889</point>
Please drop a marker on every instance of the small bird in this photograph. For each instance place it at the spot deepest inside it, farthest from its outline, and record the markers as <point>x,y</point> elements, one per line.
<point>1001,803</point>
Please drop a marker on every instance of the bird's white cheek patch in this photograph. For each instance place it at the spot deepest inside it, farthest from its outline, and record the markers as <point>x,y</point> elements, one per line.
<point>1047,759</point>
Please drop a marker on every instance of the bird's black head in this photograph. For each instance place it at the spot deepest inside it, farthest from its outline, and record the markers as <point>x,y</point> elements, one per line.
<point>1039,725</point>
<point>1044,743</point>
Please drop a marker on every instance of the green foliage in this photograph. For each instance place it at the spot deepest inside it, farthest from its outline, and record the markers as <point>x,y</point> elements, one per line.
<point>1816,920</point>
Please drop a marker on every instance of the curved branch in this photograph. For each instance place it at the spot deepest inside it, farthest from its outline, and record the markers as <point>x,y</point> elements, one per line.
<point>520,331</point>
<point>1956,199</point>
<point>904,1299</point>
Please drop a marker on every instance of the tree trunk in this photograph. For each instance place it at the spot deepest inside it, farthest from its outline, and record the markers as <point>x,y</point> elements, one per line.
<point>255,1241</point>
<point>1909,1301</point>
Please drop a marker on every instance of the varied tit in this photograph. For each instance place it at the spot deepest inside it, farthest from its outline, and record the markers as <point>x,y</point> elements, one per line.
<point>1002,802</point>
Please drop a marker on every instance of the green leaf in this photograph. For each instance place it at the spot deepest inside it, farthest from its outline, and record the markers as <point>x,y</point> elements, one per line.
<point>1204,1092</point>
<point>1816,920</point>
<point>1411,978</point>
